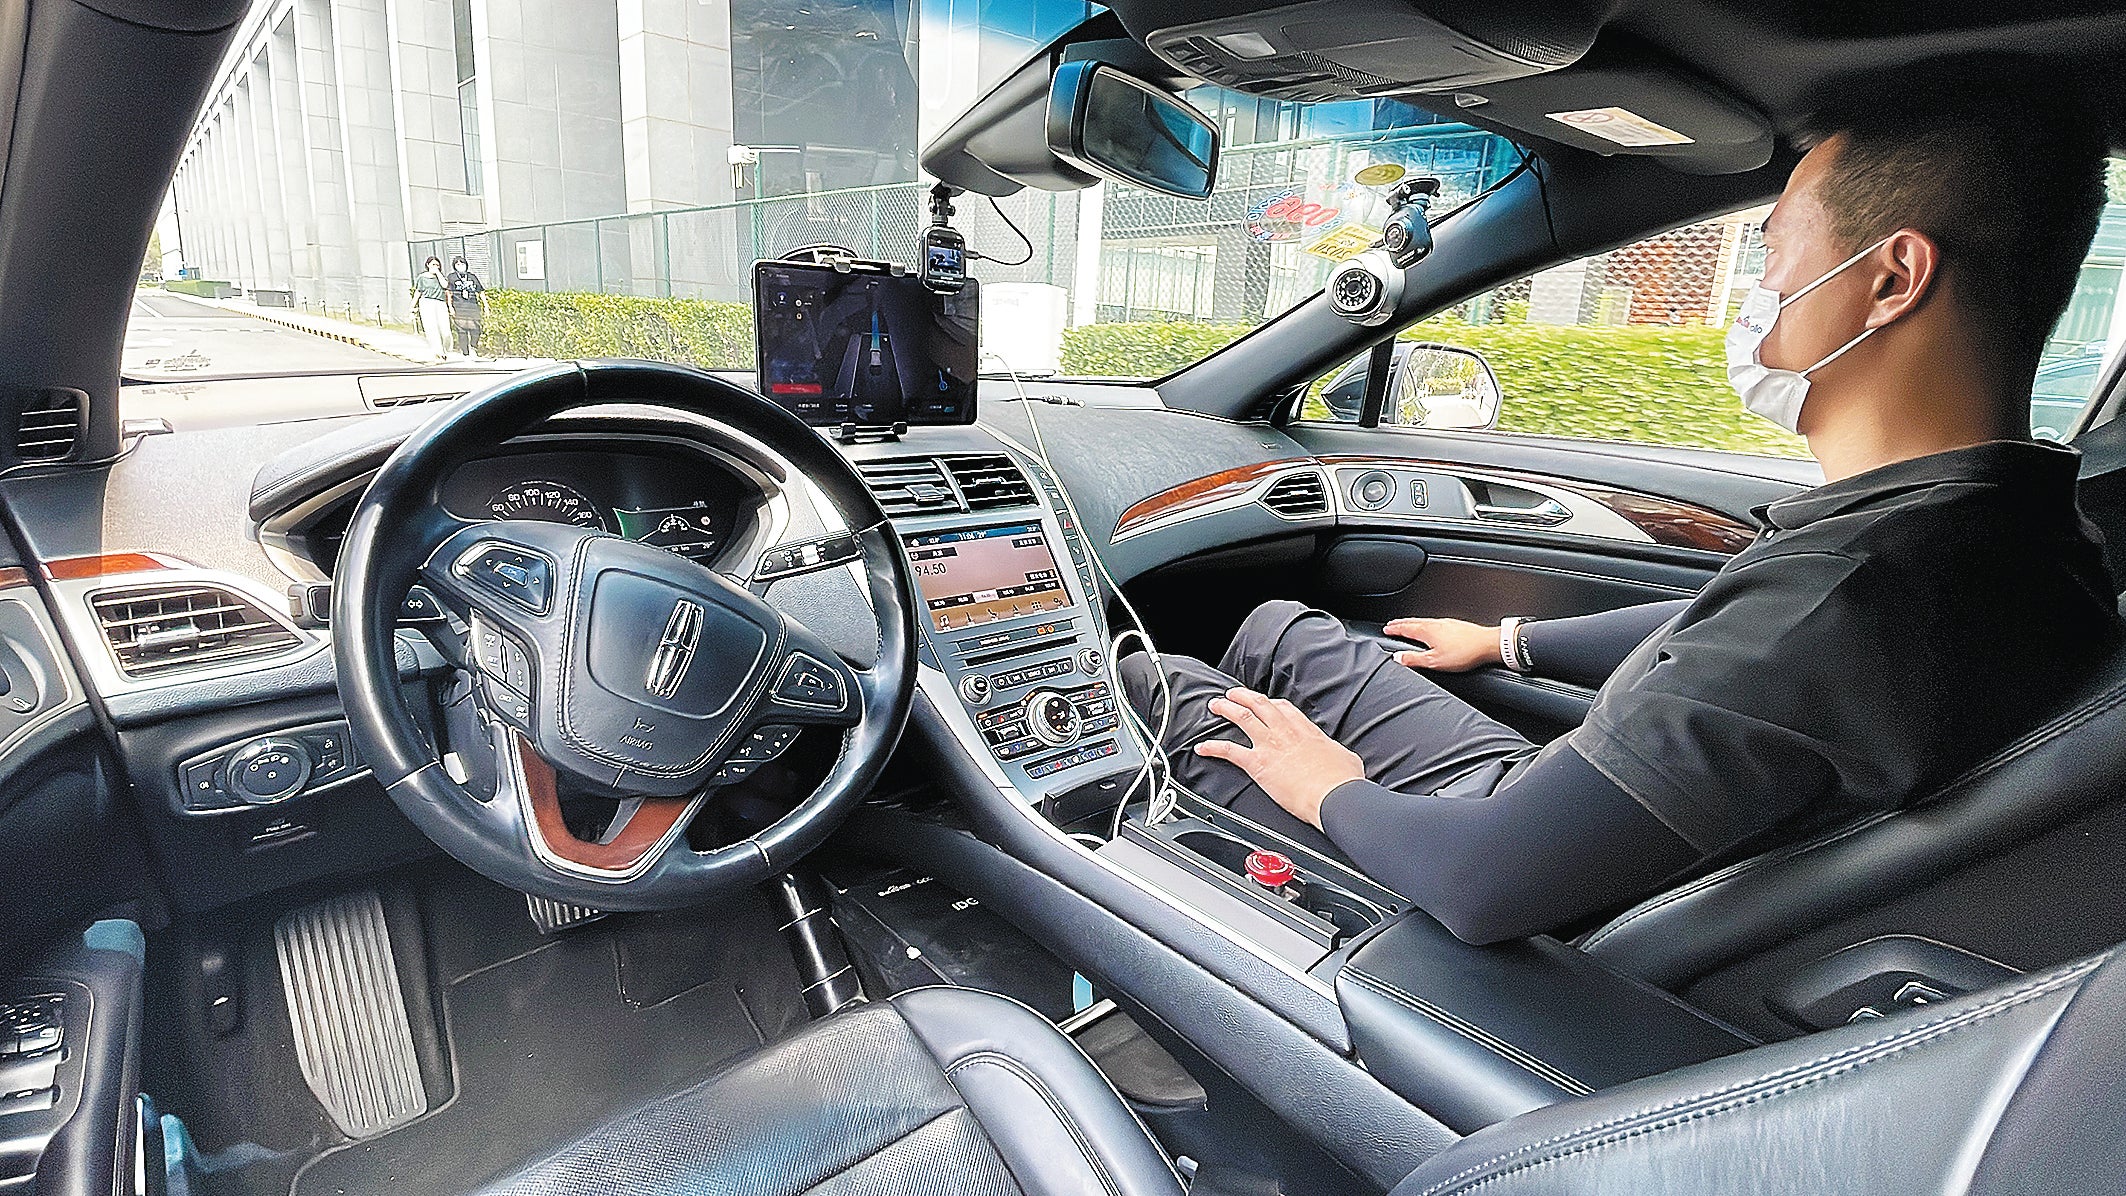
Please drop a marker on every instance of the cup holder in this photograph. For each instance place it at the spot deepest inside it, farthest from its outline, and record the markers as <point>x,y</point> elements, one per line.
<point>1217,847</point>
<point>1347,912</point>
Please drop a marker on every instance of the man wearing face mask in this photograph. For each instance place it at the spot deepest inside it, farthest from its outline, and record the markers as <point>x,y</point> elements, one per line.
<point>1934,599</point>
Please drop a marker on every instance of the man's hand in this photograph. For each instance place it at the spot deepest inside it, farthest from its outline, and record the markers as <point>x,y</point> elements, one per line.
<point>1291,758</point>
<point>1446,645</point>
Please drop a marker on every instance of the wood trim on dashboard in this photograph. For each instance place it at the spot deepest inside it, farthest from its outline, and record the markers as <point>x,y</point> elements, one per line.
<point>1666,521</point>
<point>652,820</point>
<point>1199,492</point>
<point>115,564</point>
<point>10,577</point>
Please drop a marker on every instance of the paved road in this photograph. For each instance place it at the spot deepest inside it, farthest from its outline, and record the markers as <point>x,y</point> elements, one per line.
<point>174,337</point>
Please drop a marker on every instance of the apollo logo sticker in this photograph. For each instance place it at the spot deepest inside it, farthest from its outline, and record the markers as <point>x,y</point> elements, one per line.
<point>1620,125</point>
<point>1380,174</point>
<point>1345,243</point>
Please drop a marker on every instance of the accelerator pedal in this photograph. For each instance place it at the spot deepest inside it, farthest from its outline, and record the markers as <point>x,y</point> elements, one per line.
<point>552,917</point>
<point>352,1037</point>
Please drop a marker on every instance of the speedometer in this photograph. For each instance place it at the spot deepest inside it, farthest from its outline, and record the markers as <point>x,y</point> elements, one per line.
<point>547,502</point>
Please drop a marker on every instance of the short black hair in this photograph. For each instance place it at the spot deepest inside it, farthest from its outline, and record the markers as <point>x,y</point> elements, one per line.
<point>2006,176</point>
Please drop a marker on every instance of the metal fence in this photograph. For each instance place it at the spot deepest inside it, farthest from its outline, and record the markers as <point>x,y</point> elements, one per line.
<point>1232,259</point>
<point>708,252</point>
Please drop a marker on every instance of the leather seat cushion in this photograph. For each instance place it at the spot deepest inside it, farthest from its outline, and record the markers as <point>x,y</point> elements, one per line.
<point>936,1092</point>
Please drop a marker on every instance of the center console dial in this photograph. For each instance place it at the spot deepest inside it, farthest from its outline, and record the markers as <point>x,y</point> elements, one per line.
<point>1052,718</point>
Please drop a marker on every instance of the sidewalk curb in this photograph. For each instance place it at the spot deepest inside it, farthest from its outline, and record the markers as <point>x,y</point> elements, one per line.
<point>359,342</point>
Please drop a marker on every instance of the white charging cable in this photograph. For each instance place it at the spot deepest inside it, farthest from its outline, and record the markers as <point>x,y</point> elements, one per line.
<point>1155,776</point>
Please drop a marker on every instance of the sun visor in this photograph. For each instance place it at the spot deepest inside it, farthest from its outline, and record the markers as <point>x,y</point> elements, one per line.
<point>1644,111</point>
<point>1342,49</point>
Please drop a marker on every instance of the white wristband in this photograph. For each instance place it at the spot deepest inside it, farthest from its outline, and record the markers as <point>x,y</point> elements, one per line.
<point>1510,645</point>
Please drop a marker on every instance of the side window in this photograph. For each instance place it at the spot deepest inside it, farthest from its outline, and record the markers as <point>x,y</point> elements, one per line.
<point>2092,328</point>
<point>1627,345</point>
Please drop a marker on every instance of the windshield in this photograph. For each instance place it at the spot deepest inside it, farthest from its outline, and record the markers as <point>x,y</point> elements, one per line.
<point>466,180</point>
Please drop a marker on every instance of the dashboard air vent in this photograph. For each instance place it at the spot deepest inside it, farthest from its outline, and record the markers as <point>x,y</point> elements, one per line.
<point>49,428</point>
<point>909,486</point>
<point>382,402</point>
<point>1298,496</point>
<point>990,481</point>
<point>154,630</point>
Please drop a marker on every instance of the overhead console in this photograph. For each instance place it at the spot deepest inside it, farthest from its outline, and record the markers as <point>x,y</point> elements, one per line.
<point>1547,74</point>
<point>1346,49</point>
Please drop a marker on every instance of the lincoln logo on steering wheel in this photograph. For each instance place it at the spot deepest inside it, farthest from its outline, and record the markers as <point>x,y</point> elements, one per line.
<point>675,652</point>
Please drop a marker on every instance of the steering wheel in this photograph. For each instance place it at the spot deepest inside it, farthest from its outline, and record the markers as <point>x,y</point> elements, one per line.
<point>605,666</point>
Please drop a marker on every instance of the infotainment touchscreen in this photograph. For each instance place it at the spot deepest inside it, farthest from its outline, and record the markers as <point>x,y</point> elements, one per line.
<point>865,347</point>
<point>979,575</point>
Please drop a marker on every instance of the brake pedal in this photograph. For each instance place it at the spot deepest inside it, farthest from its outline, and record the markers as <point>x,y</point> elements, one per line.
<point>352,1036</point>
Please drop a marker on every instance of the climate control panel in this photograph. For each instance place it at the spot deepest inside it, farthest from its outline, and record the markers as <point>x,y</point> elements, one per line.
<point>269,769</point>
<point>1032,731</point>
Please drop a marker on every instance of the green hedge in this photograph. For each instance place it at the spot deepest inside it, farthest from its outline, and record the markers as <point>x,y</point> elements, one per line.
<point>1148,350</point>
<point>577,324</point>
<point>1660,385</point>
<point>199,287</point>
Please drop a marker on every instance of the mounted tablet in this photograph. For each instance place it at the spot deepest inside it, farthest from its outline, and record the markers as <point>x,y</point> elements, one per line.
<point>863,346</point>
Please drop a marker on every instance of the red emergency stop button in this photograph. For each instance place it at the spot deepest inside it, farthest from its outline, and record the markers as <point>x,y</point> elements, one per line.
<point>1271,869</point>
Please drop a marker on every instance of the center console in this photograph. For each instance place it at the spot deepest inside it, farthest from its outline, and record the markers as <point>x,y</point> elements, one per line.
<point>1009,605</point>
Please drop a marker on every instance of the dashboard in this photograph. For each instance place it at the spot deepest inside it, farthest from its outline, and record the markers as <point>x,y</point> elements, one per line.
<point>677,498</point>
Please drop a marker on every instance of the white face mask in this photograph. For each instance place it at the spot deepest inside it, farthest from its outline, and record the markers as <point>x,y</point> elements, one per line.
<point>1776,394</point>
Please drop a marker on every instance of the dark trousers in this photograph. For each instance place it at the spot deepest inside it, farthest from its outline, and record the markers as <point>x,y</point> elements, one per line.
<point>1413,736</point>
<point>467,330</point>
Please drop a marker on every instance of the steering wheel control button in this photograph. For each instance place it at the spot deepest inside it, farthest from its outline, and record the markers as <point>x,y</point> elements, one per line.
<point>975,690</point>
<point>1372,491</point>
<point>1053,718</point>
<point>764,744</point>
<point>523,577</point>
<point>268,770</point>
<point>811,685</point>
<point>1270,869</point>
<point>420,606</point>
<point>500,657</point>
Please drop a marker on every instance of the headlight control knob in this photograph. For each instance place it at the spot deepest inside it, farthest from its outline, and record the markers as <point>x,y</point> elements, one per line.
<point>268,770</point>
<point>1052,718</point>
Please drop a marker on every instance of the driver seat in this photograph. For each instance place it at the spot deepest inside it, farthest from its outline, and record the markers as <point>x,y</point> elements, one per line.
<point>951,1092</point>
<point>944,1091</point>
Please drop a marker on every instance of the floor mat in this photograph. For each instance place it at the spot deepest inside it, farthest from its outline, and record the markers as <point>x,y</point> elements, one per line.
<point>550,1037</point>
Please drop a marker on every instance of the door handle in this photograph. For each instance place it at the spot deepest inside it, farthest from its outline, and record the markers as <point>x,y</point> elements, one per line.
<point>1548,513</point>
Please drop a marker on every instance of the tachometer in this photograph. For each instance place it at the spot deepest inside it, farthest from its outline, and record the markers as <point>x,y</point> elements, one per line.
<point>548,502</point>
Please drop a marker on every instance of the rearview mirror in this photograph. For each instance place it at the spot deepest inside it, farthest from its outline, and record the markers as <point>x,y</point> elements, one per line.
<point>1440,386</point>
<point>1110,123</point>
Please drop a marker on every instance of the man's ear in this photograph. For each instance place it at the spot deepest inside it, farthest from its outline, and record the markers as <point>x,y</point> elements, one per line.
<point>1906,270</point>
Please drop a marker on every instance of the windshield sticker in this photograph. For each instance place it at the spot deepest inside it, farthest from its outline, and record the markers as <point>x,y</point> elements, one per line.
<point>1380,174</point>
<point>1620,125</point>
<point>1288,216</point>
<point>1344,243</point>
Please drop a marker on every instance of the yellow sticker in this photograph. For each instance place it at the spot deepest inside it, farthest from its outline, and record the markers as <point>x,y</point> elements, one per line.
<point>1380,174</point>
<point>1346,242</point>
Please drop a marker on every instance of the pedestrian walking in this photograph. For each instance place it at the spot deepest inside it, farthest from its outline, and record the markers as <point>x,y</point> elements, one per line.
<point>468,306</point>
<point>432,304</point>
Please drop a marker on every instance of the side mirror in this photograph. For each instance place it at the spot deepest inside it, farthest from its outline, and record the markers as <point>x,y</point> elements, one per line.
<point>1440,386</point>
<point>1108,122</point>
